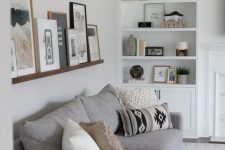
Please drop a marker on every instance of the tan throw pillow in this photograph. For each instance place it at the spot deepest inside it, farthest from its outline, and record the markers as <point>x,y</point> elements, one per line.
<point>102,135</point>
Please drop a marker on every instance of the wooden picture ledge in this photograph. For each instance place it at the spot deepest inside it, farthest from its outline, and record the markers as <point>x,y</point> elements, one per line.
<point>54,72</point>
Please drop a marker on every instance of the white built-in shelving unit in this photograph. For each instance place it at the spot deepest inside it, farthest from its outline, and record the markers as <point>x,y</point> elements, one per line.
<point>132,12</point>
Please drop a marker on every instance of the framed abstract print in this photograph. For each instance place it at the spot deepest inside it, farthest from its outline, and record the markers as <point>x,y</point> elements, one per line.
<point>14,72</point>
<point>78,21</point>
<point>22,35</point>
<point>93,42</point>
<point>61,19</point>
<point>47,44</point>
<point>72,44</point>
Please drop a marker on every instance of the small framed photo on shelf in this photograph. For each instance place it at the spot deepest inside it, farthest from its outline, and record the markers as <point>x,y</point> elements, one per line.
<point>154,51</point>
<point>160,74</point>
<point>78,21</point>
<point>72,45</point>
<point>154,13</point>
<point>61,19</point>
<point>47,44</point>
<point>172,76</point>
<point>93,42</point>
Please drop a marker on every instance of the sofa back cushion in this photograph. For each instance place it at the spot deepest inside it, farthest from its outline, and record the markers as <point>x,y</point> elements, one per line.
<point>103,107</point>
<point>46,133</point>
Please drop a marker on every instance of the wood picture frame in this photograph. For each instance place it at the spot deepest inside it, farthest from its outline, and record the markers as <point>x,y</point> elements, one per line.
<point>160,74</point>
<point>172,76</point>
<point>22,32</point>
<point>78,21</point>
<point>61,19</point>
<point>93,42</point>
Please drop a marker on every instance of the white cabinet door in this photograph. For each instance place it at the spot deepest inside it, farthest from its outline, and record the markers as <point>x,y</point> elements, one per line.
<point>181,100</point>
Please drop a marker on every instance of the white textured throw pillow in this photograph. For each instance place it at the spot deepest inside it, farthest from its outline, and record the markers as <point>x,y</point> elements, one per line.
<point>137,98</point>
<point>76,138</point>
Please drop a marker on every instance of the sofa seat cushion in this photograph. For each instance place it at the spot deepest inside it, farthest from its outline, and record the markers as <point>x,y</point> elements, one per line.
<point>46,133</point>
<point>103,107</point>
<point>158,140</point>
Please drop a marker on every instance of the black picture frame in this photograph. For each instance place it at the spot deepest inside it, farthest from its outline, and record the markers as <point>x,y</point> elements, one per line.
<point>154,51</point>
<point>84,54</point>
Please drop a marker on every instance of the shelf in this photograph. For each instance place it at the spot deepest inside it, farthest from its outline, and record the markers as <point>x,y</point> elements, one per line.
<point>158,1</point>
<point>160,30</point>
<point>159,85</point>
<point>54,72</point>
<point>159,57</point>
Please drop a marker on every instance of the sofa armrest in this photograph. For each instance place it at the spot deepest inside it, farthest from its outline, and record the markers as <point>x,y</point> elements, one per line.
<point>18,145</point>
<point>177,120</point>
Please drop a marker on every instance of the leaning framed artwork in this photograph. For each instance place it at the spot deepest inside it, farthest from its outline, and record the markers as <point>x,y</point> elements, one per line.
<point>93,42</point>
<point>13,60</point>
<point>72,44</point>
<point>172,76</point>
<point>22,35</point>
<point>47,44</point>
<point>61,19</point>
<point>154,13</point>
<point>160,74</point>
<point>78,21</point>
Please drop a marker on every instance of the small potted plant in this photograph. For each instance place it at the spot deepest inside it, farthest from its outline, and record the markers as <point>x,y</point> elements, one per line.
<point>183,73</point>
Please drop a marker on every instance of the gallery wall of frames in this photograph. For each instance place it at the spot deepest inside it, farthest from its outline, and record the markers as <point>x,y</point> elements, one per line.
<point>44,47</point>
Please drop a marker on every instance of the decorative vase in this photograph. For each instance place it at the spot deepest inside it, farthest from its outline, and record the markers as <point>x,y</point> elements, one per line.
<point>182,79</point>
<point>131,47</point>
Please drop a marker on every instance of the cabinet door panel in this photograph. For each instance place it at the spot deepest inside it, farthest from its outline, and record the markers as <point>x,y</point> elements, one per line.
<point>181,100</point>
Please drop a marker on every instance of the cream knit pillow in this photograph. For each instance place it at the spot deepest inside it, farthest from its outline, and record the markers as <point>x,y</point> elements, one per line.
<point>76,138</point>
<point>136,98</point>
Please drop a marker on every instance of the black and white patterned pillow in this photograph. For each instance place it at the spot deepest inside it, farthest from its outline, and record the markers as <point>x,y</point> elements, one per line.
<point>136,121</point>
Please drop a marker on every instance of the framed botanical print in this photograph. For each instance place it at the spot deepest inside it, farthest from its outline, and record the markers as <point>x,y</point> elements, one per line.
<point>172,76</point>
<point>78,21</point>
<point>22,35</point>
<point>160,74</point>
<point>93,42</point>
<point>154,13</point>
<point>72,44</point>
<point>61,19</point>
<point>47,44</point>
<point>13,60</point>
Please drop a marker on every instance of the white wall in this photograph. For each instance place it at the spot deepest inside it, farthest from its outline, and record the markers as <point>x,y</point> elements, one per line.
<point>35,98</point>
<point>5,81</point>
<point>212,36</point>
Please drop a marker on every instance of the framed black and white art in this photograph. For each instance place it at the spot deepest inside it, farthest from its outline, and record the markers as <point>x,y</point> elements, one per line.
<point>61,19</point>
<point>47,44</point>
<point>72,44</point>
<point>22,35</point>
<point>93,42</point>
<point>78,21</point>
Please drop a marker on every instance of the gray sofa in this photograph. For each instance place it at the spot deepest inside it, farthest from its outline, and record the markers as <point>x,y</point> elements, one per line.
<point>46,133</point>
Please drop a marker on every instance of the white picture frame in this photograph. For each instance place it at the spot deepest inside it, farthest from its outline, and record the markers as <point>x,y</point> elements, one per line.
<point>160,74</point>
<point>72,47</point>
<point>154,13</point>
<point>93,42</point>
<point>47,45</point>
<point>14,72</point>
<point>22,34</point>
